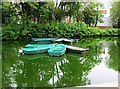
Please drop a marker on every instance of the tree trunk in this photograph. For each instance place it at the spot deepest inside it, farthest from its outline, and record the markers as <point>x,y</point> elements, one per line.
<point>61,10</point>
<point>118,23</point>
<point>96,20</point>
<point>97,16</point>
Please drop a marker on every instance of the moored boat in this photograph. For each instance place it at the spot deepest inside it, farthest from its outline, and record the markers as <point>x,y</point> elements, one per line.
<point>69,40</point>
<point>64,40</point>
<point>57,50</point>
<point>43,39</point>
<point>76,49</point>
<point>38,49</point>
<point>38,45</point>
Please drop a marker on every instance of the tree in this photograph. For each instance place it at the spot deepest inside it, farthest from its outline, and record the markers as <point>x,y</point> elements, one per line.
<point>69,9</point>
<point>75,10</point>
<point>92,13</point>
<point>98,15</point>
<point>115,14</point>
<point>24,12</point>
<point>7,12</point>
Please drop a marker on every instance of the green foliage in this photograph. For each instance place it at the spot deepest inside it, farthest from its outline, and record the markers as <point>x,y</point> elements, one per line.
<point>23,12</point>
<point>92,13</point>
<point>13,31</point>
<point>6,11</point>
<point>115,14</point>
<point>10,32</point>
<point>46,11</point>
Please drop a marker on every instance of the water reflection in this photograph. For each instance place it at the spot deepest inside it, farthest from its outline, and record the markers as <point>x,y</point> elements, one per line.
<point>102,71</point>
<point>69,70</point>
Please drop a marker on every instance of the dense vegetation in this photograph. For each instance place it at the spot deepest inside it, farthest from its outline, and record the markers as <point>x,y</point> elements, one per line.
<point>55,29</point>
<point>44,12</point>
<point>115,14</point>
<point>48,19</point>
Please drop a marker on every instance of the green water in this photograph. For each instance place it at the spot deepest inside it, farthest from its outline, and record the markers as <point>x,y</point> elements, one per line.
<point>98,65</point>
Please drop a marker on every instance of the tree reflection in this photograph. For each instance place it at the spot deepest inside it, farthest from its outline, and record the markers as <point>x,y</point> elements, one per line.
<point>113,61</point>
<point>69,70</point>
<point>9,57</point>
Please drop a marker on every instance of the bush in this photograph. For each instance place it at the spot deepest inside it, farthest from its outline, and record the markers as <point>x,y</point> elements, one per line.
<point>10,32</point>
<point>54,29</point>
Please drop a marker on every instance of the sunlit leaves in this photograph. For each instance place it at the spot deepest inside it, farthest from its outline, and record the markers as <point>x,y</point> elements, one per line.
<point>92,13</point>
<point>115,14</point>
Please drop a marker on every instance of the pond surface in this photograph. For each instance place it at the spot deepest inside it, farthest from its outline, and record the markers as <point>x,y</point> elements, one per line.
<point>98,65</point>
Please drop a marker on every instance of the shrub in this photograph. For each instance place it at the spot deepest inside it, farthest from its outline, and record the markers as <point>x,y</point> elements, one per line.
<point>54,29</point>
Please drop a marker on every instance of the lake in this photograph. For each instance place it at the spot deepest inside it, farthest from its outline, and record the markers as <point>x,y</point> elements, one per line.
<point>98,65</point>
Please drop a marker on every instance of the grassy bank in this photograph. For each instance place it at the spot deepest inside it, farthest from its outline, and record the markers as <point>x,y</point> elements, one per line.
<point>13,31</point>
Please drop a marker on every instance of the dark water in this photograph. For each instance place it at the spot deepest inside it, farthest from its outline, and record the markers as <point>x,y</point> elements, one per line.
<point>99,65</point>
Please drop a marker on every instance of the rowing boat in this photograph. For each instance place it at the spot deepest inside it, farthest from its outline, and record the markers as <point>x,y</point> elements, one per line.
<point>38,45</point>
<point>57,50</point>
<point>69,40</point>
<point>37,49</point>
<point>43,39</point>
<point>76,49</point>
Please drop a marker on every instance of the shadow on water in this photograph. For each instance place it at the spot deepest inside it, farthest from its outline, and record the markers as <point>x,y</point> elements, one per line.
<point>43,71</point>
